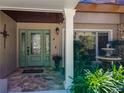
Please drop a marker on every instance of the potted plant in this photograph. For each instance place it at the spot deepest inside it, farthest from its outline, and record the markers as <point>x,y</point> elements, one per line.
<point>57,60</point>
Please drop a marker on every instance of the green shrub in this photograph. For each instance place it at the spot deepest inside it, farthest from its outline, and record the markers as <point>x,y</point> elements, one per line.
<point>118,75</point>
<point>85,64</point>
<point>95,82</point>
<point>80,66</point>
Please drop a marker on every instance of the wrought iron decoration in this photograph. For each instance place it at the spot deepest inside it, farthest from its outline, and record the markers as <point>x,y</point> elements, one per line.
<point>5,35</point>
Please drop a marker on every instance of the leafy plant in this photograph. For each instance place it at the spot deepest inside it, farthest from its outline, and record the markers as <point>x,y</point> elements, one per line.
<point>118,75</point>
<point>95,82</point>
<point>80,66</point>
<point>85,64</point>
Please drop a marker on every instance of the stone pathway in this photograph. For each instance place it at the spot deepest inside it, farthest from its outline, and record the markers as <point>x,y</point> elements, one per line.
<point>25,82</point>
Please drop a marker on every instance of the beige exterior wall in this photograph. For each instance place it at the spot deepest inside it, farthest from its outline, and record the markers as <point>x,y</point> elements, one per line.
<point>89,20</point>
<point>50,26</point>
<point>96,18</point>
<point>58,38</point>
<point>122,18</point>
<point>8,55</point>
<point>98,26</point>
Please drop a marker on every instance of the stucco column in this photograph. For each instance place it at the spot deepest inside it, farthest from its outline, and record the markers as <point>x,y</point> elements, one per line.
<point>69,64</point>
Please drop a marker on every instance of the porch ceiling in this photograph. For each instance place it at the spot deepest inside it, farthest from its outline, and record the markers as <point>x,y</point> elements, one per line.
<point>35,17</point>
<point>38,5</point>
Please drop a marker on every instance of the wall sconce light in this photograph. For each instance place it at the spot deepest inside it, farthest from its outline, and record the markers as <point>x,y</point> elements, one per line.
<point>57,31</point>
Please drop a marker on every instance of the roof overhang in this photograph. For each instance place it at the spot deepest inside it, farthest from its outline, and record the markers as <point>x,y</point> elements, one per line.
<point>38,5</point>
<point>100,8</point>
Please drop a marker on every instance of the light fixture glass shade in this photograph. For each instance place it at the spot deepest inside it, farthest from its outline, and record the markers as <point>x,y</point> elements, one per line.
<point>57,31</point>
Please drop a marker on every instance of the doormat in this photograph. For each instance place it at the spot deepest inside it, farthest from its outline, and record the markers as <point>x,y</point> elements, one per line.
<point>33,71</point>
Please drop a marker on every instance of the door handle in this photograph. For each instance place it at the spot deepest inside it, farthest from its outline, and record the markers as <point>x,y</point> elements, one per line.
<point>27,50</point>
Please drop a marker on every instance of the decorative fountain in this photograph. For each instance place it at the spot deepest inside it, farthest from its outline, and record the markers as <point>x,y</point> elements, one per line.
<point>108,57</point>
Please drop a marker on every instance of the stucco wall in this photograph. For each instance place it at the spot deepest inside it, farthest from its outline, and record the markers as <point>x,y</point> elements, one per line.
<point>89,20</point>
<point>81,21</point>
<point>96,18</point>
<point>8,55</point>
<point>50,26</point>
<point>122,18</point>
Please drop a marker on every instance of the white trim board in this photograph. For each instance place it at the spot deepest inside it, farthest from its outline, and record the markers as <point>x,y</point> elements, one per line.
<point>94,30</point>
<point>98,30</point>
<point>31,9</point>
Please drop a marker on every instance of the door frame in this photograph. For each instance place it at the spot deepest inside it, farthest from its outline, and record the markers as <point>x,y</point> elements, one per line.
<point>18,43</point>
<point>109,31</point>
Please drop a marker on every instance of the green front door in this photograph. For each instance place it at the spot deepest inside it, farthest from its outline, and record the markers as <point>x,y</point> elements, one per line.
<point>34,48</point>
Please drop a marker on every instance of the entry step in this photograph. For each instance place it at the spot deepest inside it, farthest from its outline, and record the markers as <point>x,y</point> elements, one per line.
<point>51,91</point>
